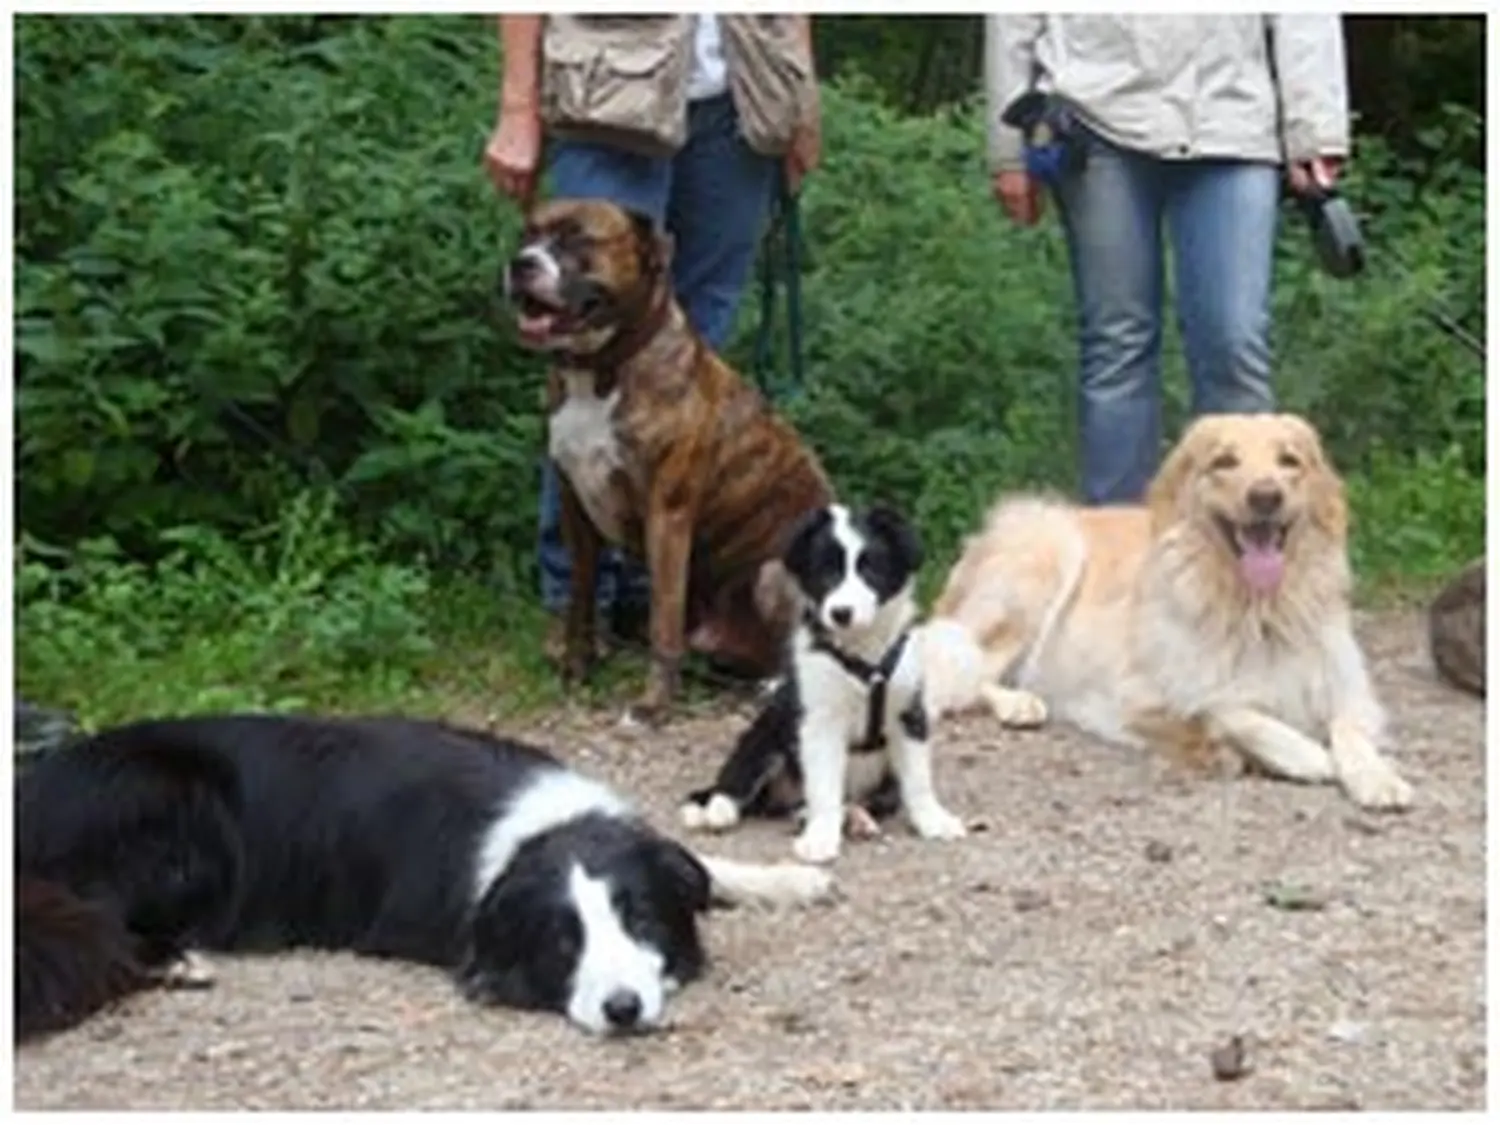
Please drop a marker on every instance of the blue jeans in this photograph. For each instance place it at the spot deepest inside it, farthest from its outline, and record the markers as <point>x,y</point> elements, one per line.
<point>714,196</point>
<point>1220,216</point>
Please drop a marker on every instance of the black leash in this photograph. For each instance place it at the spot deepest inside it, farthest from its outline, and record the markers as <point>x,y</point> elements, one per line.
<point>874,676</point>
<point>786,230</point>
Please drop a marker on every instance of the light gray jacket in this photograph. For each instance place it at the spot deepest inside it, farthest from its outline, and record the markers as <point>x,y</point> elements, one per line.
<point>1179,87</point>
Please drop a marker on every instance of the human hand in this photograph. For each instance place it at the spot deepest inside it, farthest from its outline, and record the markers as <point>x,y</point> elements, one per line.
<point>514,152</point>
<point>1320,173</point>
<point>803,154</point>
<point>1020,195</point>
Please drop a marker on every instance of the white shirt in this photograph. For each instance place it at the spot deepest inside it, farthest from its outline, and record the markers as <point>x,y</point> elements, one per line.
<point>709,76</point>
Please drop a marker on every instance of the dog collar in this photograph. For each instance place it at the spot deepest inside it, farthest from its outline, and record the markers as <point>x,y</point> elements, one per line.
<point>874,676</point>
<point>624,347</point>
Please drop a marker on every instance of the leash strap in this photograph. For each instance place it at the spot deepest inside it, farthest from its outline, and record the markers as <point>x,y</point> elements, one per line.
<point>874,676</point>
<point>785,229</point>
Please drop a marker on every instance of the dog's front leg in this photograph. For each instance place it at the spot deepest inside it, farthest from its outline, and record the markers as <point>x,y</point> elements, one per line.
<point>911,762</point>
<point>584,543</point>
<point>823,753</point>
<point>1278,748</point>
<point>669,539</point>
<point>1354,733</point>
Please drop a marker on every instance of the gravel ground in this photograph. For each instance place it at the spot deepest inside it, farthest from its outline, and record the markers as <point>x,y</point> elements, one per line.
<point>1099,935</point>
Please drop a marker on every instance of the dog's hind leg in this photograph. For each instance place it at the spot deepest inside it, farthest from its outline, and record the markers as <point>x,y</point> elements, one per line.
<point>760,755</point>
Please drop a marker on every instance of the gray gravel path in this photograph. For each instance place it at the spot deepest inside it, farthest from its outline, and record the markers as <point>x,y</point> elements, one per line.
<point>1088,948</point>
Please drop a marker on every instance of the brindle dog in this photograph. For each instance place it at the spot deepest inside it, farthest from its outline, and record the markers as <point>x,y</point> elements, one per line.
<point>661,447</point>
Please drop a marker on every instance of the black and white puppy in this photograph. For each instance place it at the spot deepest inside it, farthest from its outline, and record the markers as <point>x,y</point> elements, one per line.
<point>535,886</point>
<point>847,719</point>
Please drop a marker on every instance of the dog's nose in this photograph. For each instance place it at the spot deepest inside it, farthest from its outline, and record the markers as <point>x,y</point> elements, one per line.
<point>622,1008</point>
<point>841,615</point>
<point>1264,499</point>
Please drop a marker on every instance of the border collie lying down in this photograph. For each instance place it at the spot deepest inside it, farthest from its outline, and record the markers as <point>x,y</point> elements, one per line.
<point>536,887</point>
<point>848,721</point>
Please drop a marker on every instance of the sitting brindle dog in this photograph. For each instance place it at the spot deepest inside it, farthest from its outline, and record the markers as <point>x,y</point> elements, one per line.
<point>661,447</point>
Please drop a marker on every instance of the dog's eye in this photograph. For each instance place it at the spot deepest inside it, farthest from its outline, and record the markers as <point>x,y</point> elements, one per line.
<point>1289,461</point>
<point>1224,462</point>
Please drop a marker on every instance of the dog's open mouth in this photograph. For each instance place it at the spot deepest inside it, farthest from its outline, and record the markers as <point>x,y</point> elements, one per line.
<point>1259,547</point>
<point>537,319</point>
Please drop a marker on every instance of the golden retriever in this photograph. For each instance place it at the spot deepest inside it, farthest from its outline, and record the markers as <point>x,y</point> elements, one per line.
<point>1216,615</point>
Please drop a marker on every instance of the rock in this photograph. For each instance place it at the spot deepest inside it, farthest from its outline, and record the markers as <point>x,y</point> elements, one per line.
<point>1292,897</point>
<point>1347,1031</point>
<point>1230,1061</point>
<point>1158,851</point>
<point>1026,900</point>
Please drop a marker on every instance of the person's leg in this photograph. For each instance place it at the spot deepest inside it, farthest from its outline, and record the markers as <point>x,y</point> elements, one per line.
<point>1222,219</point>
<point>717,212</point>
<point>1111,214</point>
<point>642,184</point>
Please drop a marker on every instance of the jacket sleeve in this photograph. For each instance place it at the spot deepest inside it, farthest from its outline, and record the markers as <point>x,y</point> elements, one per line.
<point>1009,54</point>
<point>1311,85</point>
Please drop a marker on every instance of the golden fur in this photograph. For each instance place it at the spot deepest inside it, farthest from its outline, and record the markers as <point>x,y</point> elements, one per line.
<point>1142,624</point>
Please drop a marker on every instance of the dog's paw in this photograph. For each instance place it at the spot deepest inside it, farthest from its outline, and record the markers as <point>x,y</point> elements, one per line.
<point>1378,786</point>
<point>801,883</point>
<point>817,845</point>
<point>1019,709</point>
<point>939,824</point>
<point>860,823</point>
<point>718,814</point>
<point>191,971</point>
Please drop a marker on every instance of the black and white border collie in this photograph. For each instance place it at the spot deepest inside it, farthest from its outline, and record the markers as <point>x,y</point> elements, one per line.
<point>848,720</point>
<point>536,887</point>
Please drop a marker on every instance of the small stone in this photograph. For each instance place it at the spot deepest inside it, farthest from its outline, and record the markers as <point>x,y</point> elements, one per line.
<point>1362,826</point>
<point>1291,897</point>
<point>1347,1031</point>
<point>1026,900</point>
<point>1230,1062</point>
<point>1158,851</point>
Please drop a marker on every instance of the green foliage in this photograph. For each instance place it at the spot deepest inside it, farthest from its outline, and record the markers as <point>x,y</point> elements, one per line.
<point>256,256</point>
<point>289,616</point>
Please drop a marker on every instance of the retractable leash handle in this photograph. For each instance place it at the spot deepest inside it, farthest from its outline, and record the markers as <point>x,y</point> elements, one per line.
<point>1337,238</point>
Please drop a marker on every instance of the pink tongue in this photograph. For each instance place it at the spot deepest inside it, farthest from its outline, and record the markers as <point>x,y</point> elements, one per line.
<point>1262,567</point>
<point>534,327</point>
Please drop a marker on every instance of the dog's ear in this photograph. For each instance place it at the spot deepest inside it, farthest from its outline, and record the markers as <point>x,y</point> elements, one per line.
<point>492,969</point>
<point>1328,506</point>
<point>1164,495</point>
<point>684,874</point>
<point>794,555</point>
<point>888,523</point>
<point>654,245</point>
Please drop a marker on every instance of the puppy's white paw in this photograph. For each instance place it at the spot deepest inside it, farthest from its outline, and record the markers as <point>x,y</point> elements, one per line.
<point>721,813</point>
<point>190,971</point>
<point>693,816</point>
<point>1377,786</point>
<point>939,824</point>
<point>1019,709</point>
<point>818,845</point>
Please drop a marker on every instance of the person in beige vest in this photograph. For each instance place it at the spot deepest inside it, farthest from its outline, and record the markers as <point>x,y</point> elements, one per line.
<point>1182,123</point>
<point>690,119</point>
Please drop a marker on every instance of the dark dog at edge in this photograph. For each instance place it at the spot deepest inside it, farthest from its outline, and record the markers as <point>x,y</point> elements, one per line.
<point>661,447</point>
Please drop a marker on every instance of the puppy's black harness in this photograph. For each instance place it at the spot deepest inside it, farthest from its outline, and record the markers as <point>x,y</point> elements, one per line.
<point>873,676</point>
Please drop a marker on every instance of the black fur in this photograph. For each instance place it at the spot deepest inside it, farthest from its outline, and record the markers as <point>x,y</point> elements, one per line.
<point>268,832</point>
<point>914,721</point>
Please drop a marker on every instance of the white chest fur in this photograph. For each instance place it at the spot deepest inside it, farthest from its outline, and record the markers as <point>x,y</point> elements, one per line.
<point>581,438</point>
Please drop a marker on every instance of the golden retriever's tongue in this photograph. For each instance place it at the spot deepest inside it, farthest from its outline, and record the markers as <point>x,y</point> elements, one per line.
<point>1262,567</point>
